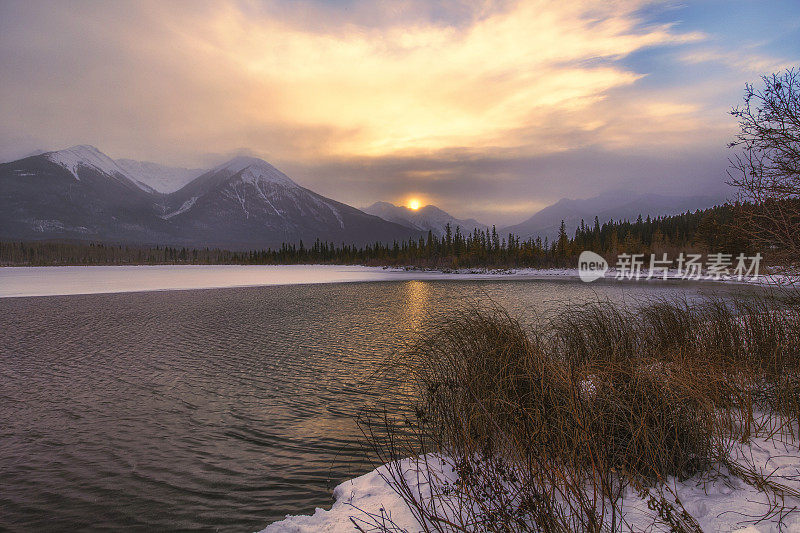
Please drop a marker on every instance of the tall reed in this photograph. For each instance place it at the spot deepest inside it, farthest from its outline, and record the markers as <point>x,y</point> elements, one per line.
<point>546,427</point>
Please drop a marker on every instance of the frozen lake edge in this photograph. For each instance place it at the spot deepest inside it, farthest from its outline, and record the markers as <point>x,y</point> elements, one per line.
<point>71,280</point>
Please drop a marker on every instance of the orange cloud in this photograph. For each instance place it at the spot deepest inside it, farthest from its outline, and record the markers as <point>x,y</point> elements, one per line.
<point>407,90</point>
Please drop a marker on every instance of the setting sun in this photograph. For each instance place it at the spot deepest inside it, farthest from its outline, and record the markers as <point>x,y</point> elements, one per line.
<point>413,204</point>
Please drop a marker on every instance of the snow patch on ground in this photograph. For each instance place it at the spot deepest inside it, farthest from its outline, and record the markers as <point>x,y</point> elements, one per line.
<point>371,493</point>
<point>722,503</point>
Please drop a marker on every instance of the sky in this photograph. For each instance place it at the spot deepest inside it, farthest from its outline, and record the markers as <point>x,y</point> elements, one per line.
<point>490,110</point>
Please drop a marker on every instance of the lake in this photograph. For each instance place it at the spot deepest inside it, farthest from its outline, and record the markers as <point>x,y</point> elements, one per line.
<point>216,409</point>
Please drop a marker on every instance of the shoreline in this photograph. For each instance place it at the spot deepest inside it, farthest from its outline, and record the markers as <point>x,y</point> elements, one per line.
<point>36,281</point>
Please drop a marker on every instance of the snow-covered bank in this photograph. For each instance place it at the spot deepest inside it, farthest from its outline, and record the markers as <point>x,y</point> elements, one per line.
<point>370,494</point>
<point>65,280</point>
<point>719,503</point>
<point>765,278</point>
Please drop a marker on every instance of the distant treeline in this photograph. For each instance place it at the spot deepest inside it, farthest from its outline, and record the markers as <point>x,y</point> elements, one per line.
<point>705,230</point>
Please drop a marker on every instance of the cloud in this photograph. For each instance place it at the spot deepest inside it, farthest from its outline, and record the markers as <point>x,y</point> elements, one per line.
<point>744,61</point>
<point>427,87</point>
<point>507,190</point>
<point>229,74</point>
<point>397,96</point>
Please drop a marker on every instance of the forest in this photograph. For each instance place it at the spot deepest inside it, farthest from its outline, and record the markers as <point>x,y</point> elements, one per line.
<point>708,230</point>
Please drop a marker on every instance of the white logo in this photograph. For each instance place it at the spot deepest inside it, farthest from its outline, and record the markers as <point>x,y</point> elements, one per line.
<point>591,266</point>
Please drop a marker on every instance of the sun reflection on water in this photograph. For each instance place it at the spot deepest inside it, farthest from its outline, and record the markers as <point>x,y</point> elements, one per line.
<point>417,303</point>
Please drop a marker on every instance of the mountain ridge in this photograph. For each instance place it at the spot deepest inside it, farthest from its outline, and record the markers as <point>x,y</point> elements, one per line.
<point>81,193</point>
<point>76,193</point>
<point>611,205</point>
<point>245,203</point>
<point>255,195</point>
<point>427,218</point>
<point>160,178</point>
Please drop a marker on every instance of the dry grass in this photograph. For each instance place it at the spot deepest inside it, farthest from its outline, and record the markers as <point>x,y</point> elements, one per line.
<point>547,426</point>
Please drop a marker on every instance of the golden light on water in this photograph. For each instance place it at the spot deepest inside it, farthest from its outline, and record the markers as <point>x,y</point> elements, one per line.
<point>413,204</point>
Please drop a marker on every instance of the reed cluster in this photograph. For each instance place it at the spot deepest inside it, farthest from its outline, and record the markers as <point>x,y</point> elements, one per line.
<point>547,427</point>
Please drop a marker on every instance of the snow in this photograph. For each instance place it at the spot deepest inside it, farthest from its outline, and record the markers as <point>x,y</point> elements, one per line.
<point>256,171</point>
<point>729,503</point>
<point>721,503</point>
<point>157,177</point>
<point>183,208</point>
<point>262,172</point>
<point>150,177</point>
<point>326,205</point>
<point>240,196</point>
<point>249,177</point>
<point>259,175</point>
<point>263,177</point>
<point>62,280</point>
<point>370,493</point>
<point>336,214</point>
<point>84,156</point>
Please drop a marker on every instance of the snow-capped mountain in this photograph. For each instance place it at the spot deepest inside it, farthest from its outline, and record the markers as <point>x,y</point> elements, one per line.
<point>82,157</point>
<point>247,200</point>
<point>424,219</point>
<point>77,193</point>
<point>160,178</point>
<point>613,205</point>
<point>81,193</point>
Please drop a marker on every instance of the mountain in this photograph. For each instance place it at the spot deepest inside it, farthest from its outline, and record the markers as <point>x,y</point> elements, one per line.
<point>614,205</point>
<point>81,193</point>
<point>425,218</point>
<point>248,201</point>
<point>77,193</point>
<point>157,177</point>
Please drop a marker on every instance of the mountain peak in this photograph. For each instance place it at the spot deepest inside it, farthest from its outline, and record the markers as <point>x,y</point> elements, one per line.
<point>431,209</point>
<point>253,170</point>
<point>380,204</point>
<point>388,206</point>
<point>610,205</point>
<point>84,155</point>
<point>84,148</point>
<point>425,218</point>
<point>241,162</point>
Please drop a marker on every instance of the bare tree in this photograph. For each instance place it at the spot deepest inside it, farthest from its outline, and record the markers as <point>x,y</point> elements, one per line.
<point>766,167</point>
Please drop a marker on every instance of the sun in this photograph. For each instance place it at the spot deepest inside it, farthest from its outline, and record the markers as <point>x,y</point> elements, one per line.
<point>413,204</point>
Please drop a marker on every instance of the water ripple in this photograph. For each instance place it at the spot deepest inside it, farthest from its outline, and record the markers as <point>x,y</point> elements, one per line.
<point>211,409</point>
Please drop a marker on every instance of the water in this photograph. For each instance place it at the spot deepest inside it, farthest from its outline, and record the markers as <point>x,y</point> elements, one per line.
<point>220,409</point>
